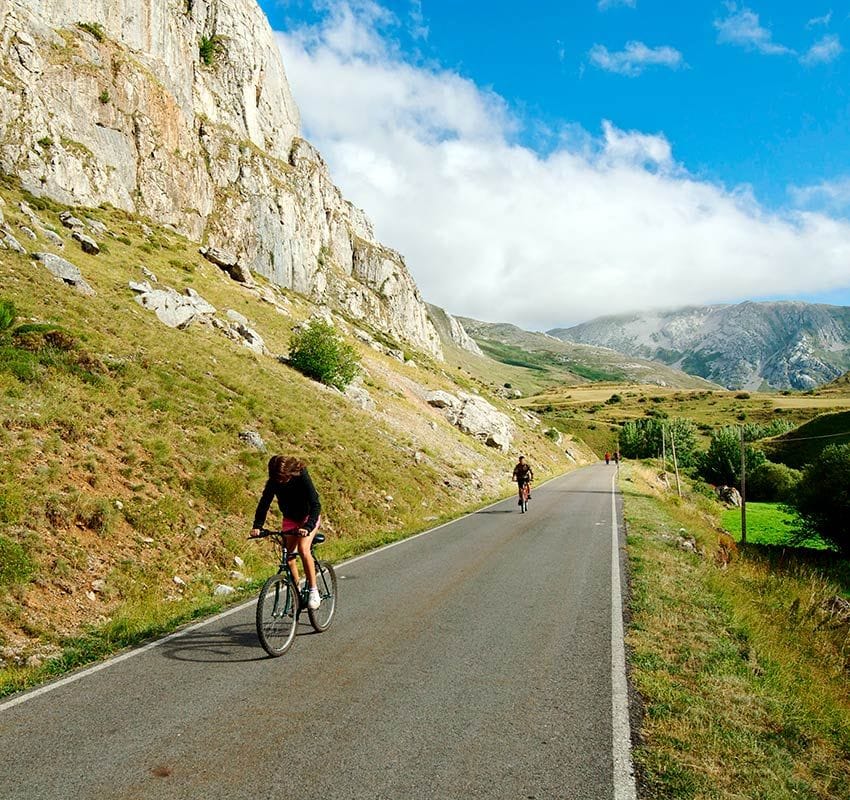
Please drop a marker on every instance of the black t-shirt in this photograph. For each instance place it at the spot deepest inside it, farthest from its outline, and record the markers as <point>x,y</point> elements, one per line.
<point>522,472</point>
<point>297,498</point>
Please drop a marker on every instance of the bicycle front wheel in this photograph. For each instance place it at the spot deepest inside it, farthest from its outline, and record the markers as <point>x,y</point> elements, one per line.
<point>321,617</point>
<point>277,614</point>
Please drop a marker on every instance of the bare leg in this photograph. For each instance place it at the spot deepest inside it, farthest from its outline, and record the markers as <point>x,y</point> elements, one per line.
<point>302,545</point>
<point>292,547</point>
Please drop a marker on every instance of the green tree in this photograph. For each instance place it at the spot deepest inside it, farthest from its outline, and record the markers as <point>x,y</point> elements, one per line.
<point>642,438</point>
<point>721,463</point>
<point>822,499</point>
<point>318,352</point>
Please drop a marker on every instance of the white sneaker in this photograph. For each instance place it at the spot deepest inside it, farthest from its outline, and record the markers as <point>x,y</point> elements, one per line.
<point>314,600</point>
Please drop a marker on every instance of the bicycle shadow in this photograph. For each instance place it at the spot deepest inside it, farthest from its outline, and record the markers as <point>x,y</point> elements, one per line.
<point>496,511</point>
<point>231,644</point>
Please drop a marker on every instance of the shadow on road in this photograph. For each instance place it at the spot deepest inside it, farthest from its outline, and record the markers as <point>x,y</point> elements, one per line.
<point>494,511</point>
<point>229,645</point>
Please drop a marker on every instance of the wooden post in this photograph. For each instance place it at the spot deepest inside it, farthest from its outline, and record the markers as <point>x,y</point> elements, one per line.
<point>675,463</point>
<point>743,489</point>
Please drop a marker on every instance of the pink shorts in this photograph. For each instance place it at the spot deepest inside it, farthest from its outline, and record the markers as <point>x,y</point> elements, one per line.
<point>290,526</point>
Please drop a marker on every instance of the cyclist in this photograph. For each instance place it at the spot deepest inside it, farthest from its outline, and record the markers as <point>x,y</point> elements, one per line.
<point>298,499</point>
<point>523,474</point>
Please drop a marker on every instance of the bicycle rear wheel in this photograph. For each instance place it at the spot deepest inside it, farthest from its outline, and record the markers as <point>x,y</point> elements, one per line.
<point>277,614</point>
<point>321,617</point>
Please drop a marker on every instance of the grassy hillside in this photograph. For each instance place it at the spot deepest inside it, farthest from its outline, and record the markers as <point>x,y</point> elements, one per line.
<point>801,446</point>
<point>549,361</point>
<point>126,492</point>
<point>597,411</point>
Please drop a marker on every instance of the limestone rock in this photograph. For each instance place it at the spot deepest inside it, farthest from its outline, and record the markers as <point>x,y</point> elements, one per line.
<point>253,439</point>
<point>70,221</point>
<point>480,419</point>
<point>211,150</point>
<point>88,244</point>
<point>65,271</point>
<point>173,309</point>
<point>441,399</point>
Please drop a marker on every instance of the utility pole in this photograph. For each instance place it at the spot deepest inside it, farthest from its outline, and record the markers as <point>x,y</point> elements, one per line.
<point>743,489</point>
<point>675,463</point>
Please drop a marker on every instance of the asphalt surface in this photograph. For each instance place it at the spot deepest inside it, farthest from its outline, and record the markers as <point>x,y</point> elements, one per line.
<point>470,662</point>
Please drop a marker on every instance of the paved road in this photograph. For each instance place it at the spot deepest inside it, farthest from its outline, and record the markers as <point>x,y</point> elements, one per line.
<point>470,662</point>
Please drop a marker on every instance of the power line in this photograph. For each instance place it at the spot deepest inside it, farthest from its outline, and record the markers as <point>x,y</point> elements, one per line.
<point>809,438</point>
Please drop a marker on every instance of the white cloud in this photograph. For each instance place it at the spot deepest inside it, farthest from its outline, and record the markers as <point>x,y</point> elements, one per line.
<point>824,20</point>
<point>492,229</point>
<point>635,58</point>
<point>822,52</point>
<point>833,196</point>
<point>742,27</point>
<point>604,5</point>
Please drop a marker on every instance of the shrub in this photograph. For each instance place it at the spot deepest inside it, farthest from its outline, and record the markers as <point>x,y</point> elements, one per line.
<point>317,352</point>
<point>771,483</point>
<point>94,28</point>
<point>210,48</point>
<point>104,96</point>
<point>614,398</point>
<point>822,499</point>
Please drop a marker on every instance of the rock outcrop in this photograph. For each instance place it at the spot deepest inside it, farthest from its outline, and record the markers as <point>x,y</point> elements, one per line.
<point>474,416</point>
<point>181,112</point>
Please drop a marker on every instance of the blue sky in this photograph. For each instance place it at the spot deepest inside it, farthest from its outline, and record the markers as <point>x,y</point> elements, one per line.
<point>731,117</point>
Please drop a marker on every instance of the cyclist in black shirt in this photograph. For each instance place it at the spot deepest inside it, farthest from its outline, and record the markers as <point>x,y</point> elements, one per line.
<point>298,500</point>
<point>523,474</point>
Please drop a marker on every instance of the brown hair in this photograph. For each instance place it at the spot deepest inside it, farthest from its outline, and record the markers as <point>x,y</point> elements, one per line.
<point>284,468</point>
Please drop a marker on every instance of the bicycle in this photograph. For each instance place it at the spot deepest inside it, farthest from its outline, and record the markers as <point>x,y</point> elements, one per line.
<point>524,493</point>
<point>280,601</point>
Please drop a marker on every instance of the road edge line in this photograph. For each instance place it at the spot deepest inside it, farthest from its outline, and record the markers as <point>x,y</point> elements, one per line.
<point>624,778</point>
<point>31,694</point>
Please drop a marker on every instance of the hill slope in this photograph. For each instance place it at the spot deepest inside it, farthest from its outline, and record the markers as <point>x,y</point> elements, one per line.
<point>130,471</point>
<point>784,345</point>
<point>554,361</point>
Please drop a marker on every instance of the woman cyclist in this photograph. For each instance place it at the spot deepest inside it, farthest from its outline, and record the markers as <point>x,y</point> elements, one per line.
<point>298,500</point>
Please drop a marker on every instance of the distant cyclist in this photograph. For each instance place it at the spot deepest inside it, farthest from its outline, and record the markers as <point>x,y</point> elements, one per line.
<point>523,475</point>
<point>299,502</point>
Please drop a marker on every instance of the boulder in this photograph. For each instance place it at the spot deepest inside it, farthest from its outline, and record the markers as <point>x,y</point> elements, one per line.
<point>88,244</point>
<point>730,495</point>
<point>253,439</point>
<point>70,221</point>
<point>480,419</point>
<point>65,271</point>
<point>441,399</point>
<point>228,262</point>
<point>173,309</point>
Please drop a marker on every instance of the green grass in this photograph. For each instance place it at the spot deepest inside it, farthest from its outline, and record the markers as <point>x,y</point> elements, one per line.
<point>742,673</point>
<point>767,523</point>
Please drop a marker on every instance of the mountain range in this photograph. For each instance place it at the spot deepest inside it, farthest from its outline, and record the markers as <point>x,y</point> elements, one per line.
<point>769,345</point>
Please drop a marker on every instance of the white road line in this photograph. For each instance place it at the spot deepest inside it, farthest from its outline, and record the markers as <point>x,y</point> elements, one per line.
<point>624,779</point>
<point>32,694</point>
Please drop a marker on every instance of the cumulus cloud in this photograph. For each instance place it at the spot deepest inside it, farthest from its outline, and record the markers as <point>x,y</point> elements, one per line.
<point>742,27</point>
<point>635,58</point>
<point>823,51</point>
<point>603,222</point>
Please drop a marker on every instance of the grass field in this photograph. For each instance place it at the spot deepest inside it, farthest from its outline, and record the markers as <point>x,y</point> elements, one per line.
<point>767,523</point>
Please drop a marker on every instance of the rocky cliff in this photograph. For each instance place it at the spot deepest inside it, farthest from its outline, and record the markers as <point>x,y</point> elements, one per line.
<point>780,345</point>
<point>180,111</point>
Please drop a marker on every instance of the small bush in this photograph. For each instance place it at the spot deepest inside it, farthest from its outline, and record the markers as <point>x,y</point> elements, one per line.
<point>45,142</point>
<point>742,396</point>
<point>772,483</point>
<point>16,566</point>
<point>104,96</point>
<point>318,352</point>
<point>222,490</point>
<point>93,28</point>
<point>614,398</point>
<point>210,48</point>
